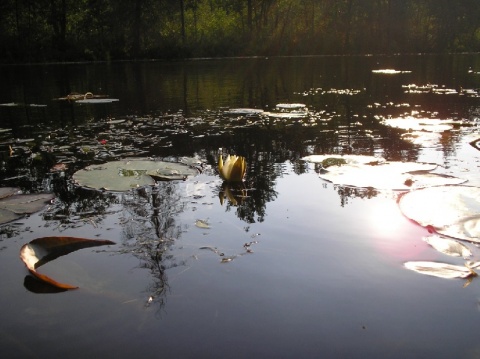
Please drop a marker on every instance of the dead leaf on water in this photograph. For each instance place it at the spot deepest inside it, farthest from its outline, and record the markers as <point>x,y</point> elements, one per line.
<point>441,270</point>
<point>201,223</point>
<point>43,250</point>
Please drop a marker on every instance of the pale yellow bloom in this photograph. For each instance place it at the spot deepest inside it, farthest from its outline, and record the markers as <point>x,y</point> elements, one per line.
<point>233,169</point>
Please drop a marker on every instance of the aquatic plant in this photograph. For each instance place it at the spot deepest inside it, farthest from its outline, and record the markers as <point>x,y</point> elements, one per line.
<point>233,169</point>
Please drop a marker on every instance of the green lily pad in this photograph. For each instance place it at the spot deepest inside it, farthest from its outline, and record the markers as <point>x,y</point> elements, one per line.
<point>130,173</point>
<point>14,206</point>
<point>328,162</point>
<point>453,211</point>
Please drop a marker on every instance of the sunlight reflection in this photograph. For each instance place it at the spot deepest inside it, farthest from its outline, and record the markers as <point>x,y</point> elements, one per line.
<point>386,218</point>
<point>392,238</point>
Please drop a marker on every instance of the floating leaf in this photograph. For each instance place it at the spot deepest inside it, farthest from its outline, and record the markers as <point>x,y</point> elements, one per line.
<point>289,114</point>
<point>98,100</point>
<point>368,171</point>
<point>419,124</point>
<point>43,250</point>
<point>453,211</point>
<point>200,223</point>
<point>80,96</point>
<point>349,159</point>
<point>390,71</point>
<point>8,191</point>
<point>448,246</point>
<point>243,111</point>
<point>291,106</point>
<point>130,173</point>
<point>14,205</point>
<point>328,162</point>
<point>441,270</point>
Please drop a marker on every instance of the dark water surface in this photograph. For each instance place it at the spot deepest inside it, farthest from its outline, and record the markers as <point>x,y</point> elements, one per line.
<point>309,269</point>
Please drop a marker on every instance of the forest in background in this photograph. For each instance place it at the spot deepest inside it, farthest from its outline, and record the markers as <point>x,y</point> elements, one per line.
<point>104,30</point>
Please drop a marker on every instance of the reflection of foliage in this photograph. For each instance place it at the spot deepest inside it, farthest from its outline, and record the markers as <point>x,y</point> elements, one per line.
<point>258,188</point>
<point>150,230</point>
<point>76,206</point>
<point>234,192</point>
<point>347,193</point>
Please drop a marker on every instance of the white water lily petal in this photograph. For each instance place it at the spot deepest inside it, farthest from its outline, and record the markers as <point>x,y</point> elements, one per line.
<point>453,211</point>
<point>448,246</point>
<point>441,270</point>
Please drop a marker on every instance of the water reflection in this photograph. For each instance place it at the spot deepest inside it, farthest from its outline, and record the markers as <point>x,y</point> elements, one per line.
<point>150,228</point>
<point>76,207</point>
<point>168,111</point>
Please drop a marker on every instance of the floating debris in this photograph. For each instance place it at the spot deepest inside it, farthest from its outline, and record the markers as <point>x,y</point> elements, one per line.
<point>202,223</point>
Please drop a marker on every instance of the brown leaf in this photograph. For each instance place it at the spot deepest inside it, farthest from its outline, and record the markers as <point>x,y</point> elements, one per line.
<point>45,249</point>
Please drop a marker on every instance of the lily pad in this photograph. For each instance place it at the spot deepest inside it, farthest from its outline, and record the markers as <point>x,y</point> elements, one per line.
<point>14,205</point>
<point>442,270</point>
<point>418,124</point>
<point>390,71</point>
<point>291,106</point>
<point>43,250</point>
<point>349,159</point>
<point>453,211</point>
<point>243,111</point>
<point>8,191</point>
<point>98,100</point>
<point>448,246</point>
<point>287,115</point>
<point>369,171</point>
<point>130,173</point>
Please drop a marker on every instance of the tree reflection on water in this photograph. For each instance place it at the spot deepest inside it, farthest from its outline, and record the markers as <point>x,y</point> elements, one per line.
<point>150,228</point>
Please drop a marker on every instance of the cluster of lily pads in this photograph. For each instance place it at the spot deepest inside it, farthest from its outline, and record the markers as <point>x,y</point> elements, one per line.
<point>443,204</point>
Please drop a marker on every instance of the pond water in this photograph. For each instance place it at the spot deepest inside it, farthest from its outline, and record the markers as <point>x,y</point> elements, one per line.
<point>292,265</point>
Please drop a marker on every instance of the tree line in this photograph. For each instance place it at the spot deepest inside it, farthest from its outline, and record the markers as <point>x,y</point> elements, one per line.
<point>94,30</point>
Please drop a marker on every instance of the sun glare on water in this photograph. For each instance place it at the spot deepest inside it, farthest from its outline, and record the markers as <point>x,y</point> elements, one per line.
<point>385,217</point>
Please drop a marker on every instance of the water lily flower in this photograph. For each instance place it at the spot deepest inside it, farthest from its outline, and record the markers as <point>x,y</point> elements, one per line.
<point>233,169</point>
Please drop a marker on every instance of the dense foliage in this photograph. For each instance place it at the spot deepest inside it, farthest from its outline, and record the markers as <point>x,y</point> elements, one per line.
<point>49,30</point>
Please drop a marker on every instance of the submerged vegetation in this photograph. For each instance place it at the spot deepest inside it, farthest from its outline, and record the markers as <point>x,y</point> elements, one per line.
<point>67,30</point>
